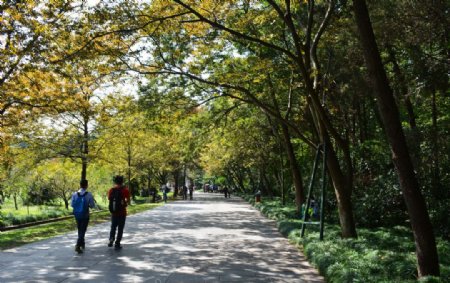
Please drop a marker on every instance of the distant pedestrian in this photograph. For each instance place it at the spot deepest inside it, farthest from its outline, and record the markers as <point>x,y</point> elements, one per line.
<point>82,200</point>
<point>119,199</point>
<point>191,191</point>
<point>165,190</point>
<point>226,191</point>
<point>185,191</point>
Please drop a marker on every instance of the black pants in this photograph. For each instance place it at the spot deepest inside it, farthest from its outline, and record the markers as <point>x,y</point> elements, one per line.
<point>82,227</point>
<point>117,222</point>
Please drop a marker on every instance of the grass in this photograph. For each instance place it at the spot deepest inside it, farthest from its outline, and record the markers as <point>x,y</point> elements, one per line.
<point>377,255</point>
<point>15,238</point>
<point>25,214</point>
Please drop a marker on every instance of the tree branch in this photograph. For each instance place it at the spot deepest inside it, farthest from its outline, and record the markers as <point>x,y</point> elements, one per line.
<point>309,26</point>
<point>317,37</point>
<point>236,33</point>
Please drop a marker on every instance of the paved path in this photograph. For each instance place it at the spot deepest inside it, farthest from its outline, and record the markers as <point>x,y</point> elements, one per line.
<point>210,239</point>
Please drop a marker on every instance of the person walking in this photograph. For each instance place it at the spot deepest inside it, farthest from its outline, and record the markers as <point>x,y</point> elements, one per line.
<point>82,200</point>
<point>191,191</point>
<point>119,199</point>
<point>225,191</point>
<point>165,190</point>
<point>185,191</point>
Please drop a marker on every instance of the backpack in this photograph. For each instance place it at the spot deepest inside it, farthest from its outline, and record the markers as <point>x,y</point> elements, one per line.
<point>116,202</point>
<point>81,206</point>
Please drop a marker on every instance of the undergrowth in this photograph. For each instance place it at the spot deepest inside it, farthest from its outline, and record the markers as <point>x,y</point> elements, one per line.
<point>377,255</point>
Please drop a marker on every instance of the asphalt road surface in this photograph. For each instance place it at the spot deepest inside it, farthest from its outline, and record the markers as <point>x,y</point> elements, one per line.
<point>208,239</point>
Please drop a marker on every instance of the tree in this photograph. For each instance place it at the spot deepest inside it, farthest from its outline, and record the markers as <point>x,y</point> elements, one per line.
<point>428,263</point>
<point>27,82</point>
<point>127,140</point>
<point>17,162</point>
<point>59,176</point>
<point>293,47</point>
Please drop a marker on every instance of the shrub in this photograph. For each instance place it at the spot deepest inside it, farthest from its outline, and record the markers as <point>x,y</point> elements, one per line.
<point>378,255</point>
<point>30,218</point>
<point>46,213</point>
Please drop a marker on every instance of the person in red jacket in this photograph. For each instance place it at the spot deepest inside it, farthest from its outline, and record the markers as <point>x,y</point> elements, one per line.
<point>119,199</point>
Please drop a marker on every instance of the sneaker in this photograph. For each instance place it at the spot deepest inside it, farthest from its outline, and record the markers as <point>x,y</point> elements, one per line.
<point>78,249</point>
<point>110,244</point>
<point>117,246</point>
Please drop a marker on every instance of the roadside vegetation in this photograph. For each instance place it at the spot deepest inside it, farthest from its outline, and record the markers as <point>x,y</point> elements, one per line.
<point>240,94</point>
<point>14,238</point>
<point>379,254</point>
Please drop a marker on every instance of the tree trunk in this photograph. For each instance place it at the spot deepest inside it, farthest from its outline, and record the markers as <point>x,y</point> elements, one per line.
<point>279,175</point>
<point>342,183</point>
<point>149,181</point>
<point>342,190</point>
<point>83,168</point>
<point>85,150</point>
<point>129,160</point>
<point>66,203</point>
<point>427,257</point>
<point>176,177</point>
<point>403,89</point>
<point>296,174</point>
<point>184,174</point>
<point>15,201</point>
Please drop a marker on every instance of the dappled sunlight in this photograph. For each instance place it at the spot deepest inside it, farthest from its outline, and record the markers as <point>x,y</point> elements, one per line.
<point>206,240</point>
<point>135,264</point>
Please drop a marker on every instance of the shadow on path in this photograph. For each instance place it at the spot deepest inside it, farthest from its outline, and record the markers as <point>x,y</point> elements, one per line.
<point>209,239</point>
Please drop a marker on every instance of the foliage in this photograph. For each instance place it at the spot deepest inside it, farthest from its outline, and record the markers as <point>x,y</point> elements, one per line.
<point>217,84</point>
<point>11,219</point>
<point>378,255</point>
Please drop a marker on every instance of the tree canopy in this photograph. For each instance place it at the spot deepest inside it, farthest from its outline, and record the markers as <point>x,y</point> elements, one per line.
<point>239,92</point>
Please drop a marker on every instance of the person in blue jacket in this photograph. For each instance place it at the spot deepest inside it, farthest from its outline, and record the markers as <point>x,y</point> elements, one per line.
<point>82,200</point>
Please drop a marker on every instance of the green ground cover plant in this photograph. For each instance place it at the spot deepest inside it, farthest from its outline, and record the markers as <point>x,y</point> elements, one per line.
<point>10,218</point>
<point>14,238</point>
<point>377,255</point>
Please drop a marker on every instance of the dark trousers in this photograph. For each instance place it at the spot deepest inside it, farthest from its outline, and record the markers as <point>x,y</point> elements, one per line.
<point>82,227</point>
<point>190,194</point>
<point>117,222</point>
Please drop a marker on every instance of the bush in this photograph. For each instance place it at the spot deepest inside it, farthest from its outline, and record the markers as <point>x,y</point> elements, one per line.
<point>46,213</point>
<point>17,220</point>
<point>30,218</point>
